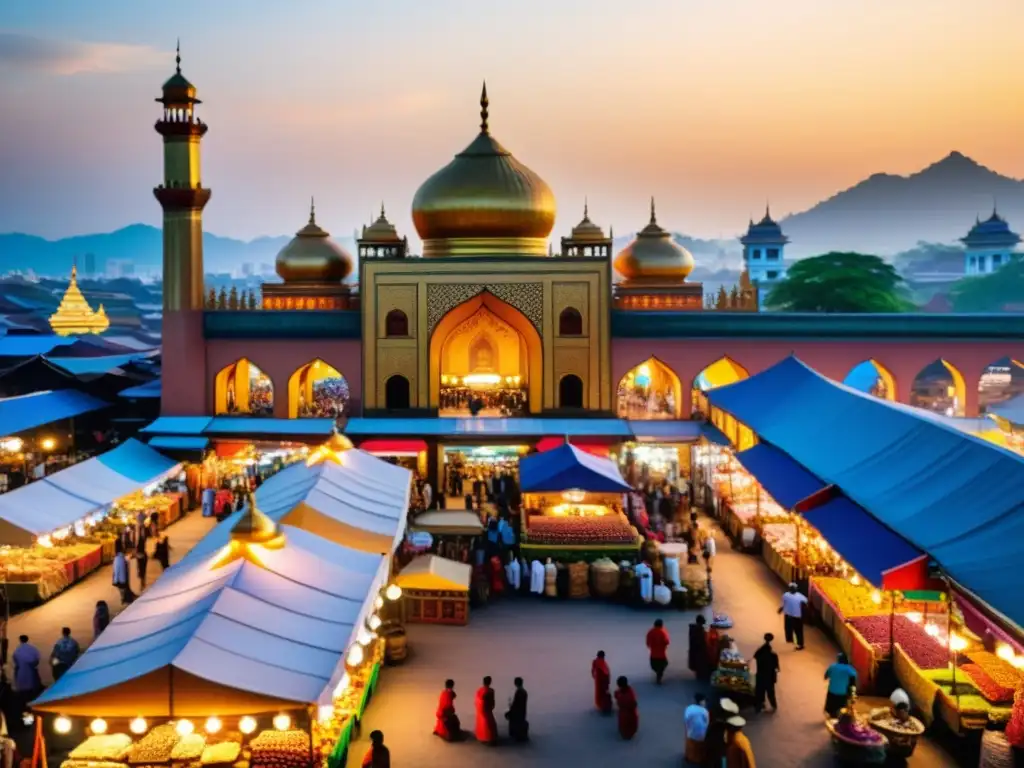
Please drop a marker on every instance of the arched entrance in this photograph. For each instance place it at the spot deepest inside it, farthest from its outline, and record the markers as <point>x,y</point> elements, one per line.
<point>242,387</point>
<point>1001,380</point>
<point>651,390</point>
<point>396,393</point>
<point>873,378</point>
<point>722,372</point>
<point>939,388</point>
<point>570,391</point>
<point>317,390</point>
<point>486,358</point>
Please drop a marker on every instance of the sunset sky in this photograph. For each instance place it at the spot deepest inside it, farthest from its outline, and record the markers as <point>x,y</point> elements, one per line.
<point>712,106</point>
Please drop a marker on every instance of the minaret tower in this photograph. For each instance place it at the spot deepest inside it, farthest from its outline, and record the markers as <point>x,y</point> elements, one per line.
<point>182,195</point>
<point>183,198</point>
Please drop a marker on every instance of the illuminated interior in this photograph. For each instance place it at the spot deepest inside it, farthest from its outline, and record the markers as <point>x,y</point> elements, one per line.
<point>1001,380</point>
<point>243,388</point>
<point>650,391</point>
<point>317,390</point>
<point>873,378</point>
<point>939,388</point>
<point>484,351</point>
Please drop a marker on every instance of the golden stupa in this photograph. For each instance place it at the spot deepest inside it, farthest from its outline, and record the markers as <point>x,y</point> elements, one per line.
<point>484,203</point>
<point>654,255</point>
<point>74,316</point>
<point>312,257</point>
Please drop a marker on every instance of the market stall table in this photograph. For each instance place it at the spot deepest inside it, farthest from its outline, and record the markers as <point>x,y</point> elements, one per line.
<point>435,590</point>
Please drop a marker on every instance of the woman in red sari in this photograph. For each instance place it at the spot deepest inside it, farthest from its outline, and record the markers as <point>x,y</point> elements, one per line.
<point>486,726</point>
<point>602,681</point>
<point>448,726</point>
<point>629,717</point>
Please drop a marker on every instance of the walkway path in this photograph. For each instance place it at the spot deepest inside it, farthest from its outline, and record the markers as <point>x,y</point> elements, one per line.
<point>551,645</point>
<point>75,606</point>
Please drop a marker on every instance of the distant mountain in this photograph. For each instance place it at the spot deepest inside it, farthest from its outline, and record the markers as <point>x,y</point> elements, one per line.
<point>886,214</point>
<point>139,243</point>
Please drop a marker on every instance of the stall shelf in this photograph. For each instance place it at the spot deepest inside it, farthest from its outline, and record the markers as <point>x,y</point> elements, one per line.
<point>435,590</point>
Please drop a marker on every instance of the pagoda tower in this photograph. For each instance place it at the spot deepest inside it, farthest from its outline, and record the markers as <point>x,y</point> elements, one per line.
<point>182,197</point>
<point>74,316</point>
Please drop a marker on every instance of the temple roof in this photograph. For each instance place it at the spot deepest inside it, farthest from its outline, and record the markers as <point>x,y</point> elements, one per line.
<point>74,315</point>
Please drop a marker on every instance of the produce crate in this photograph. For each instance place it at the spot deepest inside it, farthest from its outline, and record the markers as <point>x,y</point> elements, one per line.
<point>780,566</point>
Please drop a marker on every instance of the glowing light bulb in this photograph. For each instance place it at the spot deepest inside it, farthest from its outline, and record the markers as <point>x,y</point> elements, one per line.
<point>138,726</point>
<point>184,727</point>
<point>1005,652</point>
<point>931,630</point>
<point>957,643</point>
<point>378,603</point>
<point>393,592</point>
<point>98,726</point>
<point>325,713</point>
<point>375,622</point>
<point>247,725</point>
<point>355,655</point>
<point>914,616</point>
<point>876,597</point>
<point>213,725</point>
<point>1018,662</point>
<point>282,722</point>
<point>62,725</point>
<point>855,579</point>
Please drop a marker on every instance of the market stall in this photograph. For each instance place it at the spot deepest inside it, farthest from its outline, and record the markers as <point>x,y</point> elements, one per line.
<point>435,590</point>
<point>55,531</point>
<point>451,533</point>
<point>252,651</point>
<point>573,508</point>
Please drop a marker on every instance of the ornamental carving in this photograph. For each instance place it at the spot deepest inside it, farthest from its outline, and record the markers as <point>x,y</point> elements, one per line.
<point>528,298</point>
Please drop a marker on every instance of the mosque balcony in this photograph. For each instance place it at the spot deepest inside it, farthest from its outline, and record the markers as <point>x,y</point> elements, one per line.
<point>175,198</point>
<point>173,127</point>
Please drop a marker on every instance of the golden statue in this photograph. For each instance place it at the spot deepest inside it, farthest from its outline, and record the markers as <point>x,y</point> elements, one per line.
<point>74,315</point>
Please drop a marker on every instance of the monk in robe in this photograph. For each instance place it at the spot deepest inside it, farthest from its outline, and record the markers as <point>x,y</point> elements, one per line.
<point>629,717</point>
<point>486,726</point>
<point>518,725</point>
<point>699,657</point>
<point>378,756</point>
<point>602,682</point>
<point>448,726</point>
<point>738,752</point>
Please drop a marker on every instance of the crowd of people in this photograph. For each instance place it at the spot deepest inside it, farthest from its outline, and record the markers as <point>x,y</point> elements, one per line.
<point>491,402</point>
<point>133,544</point>
<point>330,397</point>
<point>638,402</point>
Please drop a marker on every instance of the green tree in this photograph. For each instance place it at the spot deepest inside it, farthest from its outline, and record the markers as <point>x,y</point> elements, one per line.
<point>991,292</point>
<point>840,282</point>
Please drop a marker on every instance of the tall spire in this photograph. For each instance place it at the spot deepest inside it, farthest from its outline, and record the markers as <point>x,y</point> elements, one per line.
<point>177,57</point>
<point>382,214</point>
<point>312,210</point>
<point>484,103</point>
<point>586,209</point>
<point>654,218</point>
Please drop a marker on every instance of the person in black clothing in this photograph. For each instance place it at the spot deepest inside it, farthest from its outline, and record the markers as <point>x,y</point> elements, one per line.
<point>766,675</point>
<point>162,553</point>
<point>518,725</point>
<point>141,561</point>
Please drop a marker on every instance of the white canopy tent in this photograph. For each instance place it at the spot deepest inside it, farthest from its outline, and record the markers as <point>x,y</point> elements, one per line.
<point>247,636</point>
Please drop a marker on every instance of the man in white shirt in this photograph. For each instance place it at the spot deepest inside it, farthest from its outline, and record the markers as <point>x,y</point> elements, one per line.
<point>696,719</point>
<point>792,611</point>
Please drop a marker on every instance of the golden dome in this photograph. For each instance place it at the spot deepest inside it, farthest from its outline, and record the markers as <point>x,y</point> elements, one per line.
<point>484,203</point>
<point>312,257</point>
<point>586,229</point>
<point>654,255</point>
<point>381,230</point>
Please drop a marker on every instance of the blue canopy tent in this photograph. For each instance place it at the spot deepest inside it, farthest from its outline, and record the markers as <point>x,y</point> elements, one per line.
<point>956,497</point>
<point>873,550</point>
<point>784,480</point>
<point>567,468</point>
<point>148,391</point>
<point>1011,410</point>
<point>18,414</point>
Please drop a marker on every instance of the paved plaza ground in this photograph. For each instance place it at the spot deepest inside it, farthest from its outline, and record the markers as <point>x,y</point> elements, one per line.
<point>75,606</point>
<point>551,644</point>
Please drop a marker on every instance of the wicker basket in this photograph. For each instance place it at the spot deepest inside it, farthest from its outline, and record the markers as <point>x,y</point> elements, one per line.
<point>606,581</point>
<point>579,585</point>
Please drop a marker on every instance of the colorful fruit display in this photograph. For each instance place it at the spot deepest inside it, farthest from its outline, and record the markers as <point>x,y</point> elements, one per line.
<point>851,600</point>
<point>280,749</point>
<point>921,648</point>
<point>1002,672</point>
<point>155,747</point>
<point>607,529</point>
<point>989,688</point>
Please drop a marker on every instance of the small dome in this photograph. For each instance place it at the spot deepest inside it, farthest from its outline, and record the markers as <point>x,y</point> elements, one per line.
<point>484,202</point>
<point>654,255</point>
<point>381,230</point>
<point>587,230</point>
<point>312,257</point>
<point>177,89</point>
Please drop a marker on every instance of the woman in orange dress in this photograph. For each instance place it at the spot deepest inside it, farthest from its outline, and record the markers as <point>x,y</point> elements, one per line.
<point>448,726</point>
<point>629,717</point>
<point>602,682</point>
<point>486,726</point>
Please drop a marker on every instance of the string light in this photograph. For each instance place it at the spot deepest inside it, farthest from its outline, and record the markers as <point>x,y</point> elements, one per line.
<point>247,725</point>
<point>355,655</point>
<point>282,722</point>
<point>213,725</point>
<point>184,727</point>
<point>62,725</point>
<point>138,726</point>
<point>98,726</point>
<point>393,592</point>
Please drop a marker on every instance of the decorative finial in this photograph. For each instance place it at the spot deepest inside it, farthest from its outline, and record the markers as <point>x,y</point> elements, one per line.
<point>312,210</point>
<point>484,103</point>
<point>768,210</point>
<point>654,218</point>
<point>177,57</point>
<point>611,232</point>
<point>586,209</point>
<point>382,214</point>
